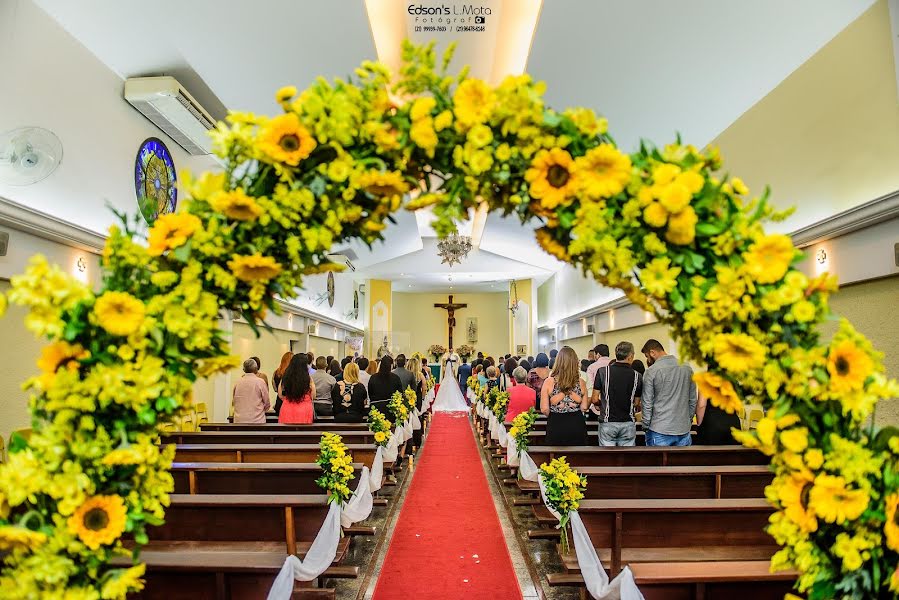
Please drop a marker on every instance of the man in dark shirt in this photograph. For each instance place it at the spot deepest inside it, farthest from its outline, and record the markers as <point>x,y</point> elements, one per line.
<point>616,389</point>
<point>464,374</point>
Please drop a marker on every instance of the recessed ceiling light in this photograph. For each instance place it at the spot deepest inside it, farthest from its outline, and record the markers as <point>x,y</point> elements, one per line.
<point>402,274</point>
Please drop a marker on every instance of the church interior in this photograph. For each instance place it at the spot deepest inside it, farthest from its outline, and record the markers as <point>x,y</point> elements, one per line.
<point>502,299</point>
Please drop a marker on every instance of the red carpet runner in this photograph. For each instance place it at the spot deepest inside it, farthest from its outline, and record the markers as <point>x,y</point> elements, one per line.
<point>448,542</point>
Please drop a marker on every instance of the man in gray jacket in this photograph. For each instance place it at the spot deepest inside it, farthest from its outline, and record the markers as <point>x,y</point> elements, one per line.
<point>669,398</point>
<point>405,375</point>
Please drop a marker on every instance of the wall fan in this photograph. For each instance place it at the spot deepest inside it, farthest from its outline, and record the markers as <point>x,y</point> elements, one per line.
<point>28,155</point>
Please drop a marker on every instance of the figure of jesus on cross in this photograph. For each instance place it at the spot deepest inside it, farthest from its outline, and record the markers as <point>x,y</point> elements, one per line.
<point>450,309</point>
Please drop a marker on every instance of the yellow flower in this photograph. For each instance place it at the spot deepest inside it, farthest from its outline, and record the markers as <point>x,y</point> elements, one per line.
<point>659,277</point>
<point>236,205</point>
<point>3,304</point>
<point>655,214</point>
<point>803,311</point>
<point>380,436</point>
<point>814,458</point>
<point>284,139</point>
<point>795,440</point>
<point>682,227</point>
<point>604,170</point>
<point>443,120</point>
<point>387,183</point>
<point>719,391</point>
<point>59,354</point>
<point>665,173</point>
<point>553,178</point>
<point>285,94</point>
<point>480,135</point>
<point>769,258</point>
<point>13,536</point>
<point>738,352</point>
<point>122,582</point>
<point>123,456</point>
<point>424,136</point>
<point>691,180</point>
<point>422,108</point>
<point>119,313</point>
<point>848,366</point>
<point>834,502</point>
<point>587,122</point>
<point>99,521</point>
<point>171,231</point>
<point>891,527</point>
<point>254,267</point>
<point>546,241</point>
<point>473,102</point>
<point>675,197</point>
<point>738,186</point>
<point>793,493</point>
<point>503,152</point>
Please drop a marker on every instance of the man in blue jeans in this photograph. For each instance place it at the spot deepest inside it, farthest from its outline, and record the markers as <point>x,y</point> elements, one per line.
<point>669,398</point>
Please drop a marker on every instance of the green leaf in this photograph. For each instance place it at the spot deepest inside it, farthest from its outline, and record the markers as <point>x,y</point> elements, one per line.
<point>710,229</point>
<point>551,118</point>
<point>17,443</point>
<point>182,253</point>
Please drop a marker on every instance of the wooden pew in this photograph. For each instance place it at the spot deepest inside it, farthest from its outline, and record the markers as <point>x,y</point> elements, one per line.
<point>271,427</point>
<point>655,456</point>
<point>711,481</point>
<point>249,478</point>
<point>538,438</point>
<point>265,453</point>
<point>357,436</point>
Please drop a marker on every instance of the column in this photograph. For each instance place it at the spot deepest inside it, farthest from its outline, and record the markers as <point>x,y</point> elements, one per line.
<point>522,327</point>
<point>379,315</point>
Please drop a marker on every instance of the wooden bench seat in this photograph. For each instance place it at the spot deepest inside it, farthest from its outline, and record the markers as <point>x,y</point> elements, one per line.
<point>267,453</point>
<point>654,456</point>
<point>356,436</point>
<point>332,426</point>
<point>702,481</point>
<point>249,478</point>
<point>735,580</point>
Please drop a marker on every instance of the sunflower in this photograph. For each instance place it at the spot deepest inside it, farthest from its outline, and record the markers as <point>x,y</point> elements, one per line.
<point>284,139</point>
<point>254,267</point>
<point>738,352</point>
<point>769,258</point>
<point>604,170</point>
<point>891,527</point>
<point>171,231</point>
<point>236,205</point>
<point>284,95</point>
<point>834,502</point>
<point>551,245</point>
<point>99,521</point>
<point>659,277</point>
<point>14,536</point>
<point>553,178</point>
<point>793,494</point>
<point>473,102</point>
<point>383,183</point>
<point>119,313</point>
<point>60,354</point>
<point>848,366</point>
<point>719,391</point>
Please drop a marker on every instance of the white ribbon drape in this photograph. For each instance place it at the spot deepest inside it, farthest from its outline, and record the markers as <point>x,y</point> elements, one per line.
<point>528,468</point>
<point>320,556</point>
<point>392,448</point>
<point>512,453</point>
<point>416,422</point>
<point>503,435</point>
<point>377,471</point>
<point>358,507</point>
<point>407,430</point>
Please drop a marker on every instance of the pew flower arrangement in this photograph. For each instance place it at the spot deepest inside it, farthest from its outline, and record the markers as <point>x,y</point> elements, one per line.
<point>564,490</point>
<point>522,425</point>
<point>472,383</point>
<point>380,426</point>
<point>411,398</point>
<point>337,468</point>
<point>436,351</point>
<point>397,408</point>
<point>663,224</point>
<point>498,401</point>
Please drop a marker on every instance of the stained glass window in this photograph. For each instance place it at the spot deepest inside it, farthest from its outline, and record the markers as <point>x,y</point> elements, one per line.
<point>155,181</point>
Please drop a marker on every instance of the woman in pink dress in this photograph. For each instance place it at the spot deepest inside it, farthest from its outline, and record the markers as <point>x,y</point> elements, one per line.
<point>521,397</point>
<point>297,390</point>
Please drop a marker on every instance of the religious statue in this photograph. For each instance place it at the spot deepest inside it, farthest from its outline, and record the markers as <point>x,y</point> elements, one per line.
<point>450,308</point>
<point>384,350</point>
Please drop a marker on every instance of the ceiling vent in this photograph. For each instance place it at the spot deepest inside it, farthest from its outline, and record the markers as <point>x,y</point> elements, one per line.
<point>168,105</point>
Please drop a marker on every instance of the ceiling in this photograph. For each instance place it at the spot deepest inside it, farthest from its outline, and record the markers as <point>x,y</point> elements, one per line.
<point>649,66</point>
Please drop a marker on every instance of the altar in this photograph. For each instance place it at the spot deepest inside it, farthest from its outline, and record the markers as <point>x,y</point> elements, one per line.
<point>436,372</point>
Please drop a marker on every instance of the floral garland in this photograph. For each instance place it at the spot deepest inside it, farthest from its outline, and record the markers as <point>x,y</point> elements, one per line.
<point>337,465</point>
<point>397,408</point>
<point>380,426</point>
<point>564,489</point>
<point>521,427</point>
<point>663,224</point>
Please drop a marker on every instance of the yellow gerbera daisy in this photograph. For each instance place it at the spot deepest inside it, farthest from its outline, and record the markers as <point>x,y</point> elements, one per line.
<point>473,102</point>
<point>738,352</point>
<point>236,205</point>
<point>604,171</point>
<point>60,354</point>
<point>793,494</point>
<point>284,139</point>
<point>99,521</point>
<point>383,183</point>
<point>13,536</point>
<point>659,277</point>
<point>848,366</point>
<point>675,197</point>
<point>891,527</point>
<point>655,214</point>
<point>834,502</point>
<point>553,178</point>
<point>682,227</point>
<point>171,231</point>
<point>123,581</point>
<point>422,108</point>
<point>254,267</point>
<point>119,313</point>
<point>719,391</point>
<point>424,136</point>
<point>769,258</point>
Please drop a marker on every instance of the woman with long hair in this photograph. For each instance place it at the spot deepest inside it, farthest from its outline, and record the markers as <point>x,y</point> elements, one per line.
<point>382,385</point>
<point>277,376</point>
<point>417,380</point>
<point>564,402</point>
<point>335,369</point>
<point>349,396</point>
<point>297,390</point>
<point>538,374</point>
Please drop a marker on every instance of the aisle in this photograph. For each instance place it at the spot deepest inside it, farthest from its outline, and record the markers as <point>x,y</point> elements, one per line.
<point>448,542</point>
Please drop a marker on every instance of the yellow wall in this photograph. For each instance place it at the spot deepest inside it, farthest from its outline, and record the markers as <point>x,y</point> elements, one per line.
<point>827,138</point>
<point>320,346</point>
<point>418,321</point>
<point>581,345</point>
<point>18,354</point>
<point>269,347</point>
<point>377,290</point>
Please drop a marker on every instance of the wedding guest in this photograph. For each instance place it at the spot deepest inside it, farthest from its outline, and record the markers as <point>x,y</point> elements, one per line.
<point>259,373</point>
<point>382,385</point>
<point>335,370</point>
<point>525,364</point>
<point>669,398</point>
<point>372,366</point>
<point>714,424</point>
<point>521,397</point>
<point>563,400</point>
<point>345,361</point>
<point>492,382</point>
<point>617,394</point>
<point>538,374</point>
<point>349,396</point>
<point>250,395</point>
<point>482,375</point>
<point>277,376</point>
<point>407,378</point>
<point>638,366</point>
<point>552,357</point>
<point>506,381</point>
<point>464,374</point>
<point>298,390</point>
<point>601,351</point>
<point>530,359</point>
<point>328,361</point>
<point>323,382</point>
<point>418,381</point>
<point>591,356</point>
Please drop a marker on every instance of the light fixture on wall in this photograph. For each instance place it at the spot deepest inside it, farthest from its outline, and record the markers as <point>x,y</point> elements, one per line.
<point>513,298</point>
<point>79,269</point>
<point>821,256</point>
<point>822,261</point>
<point>290,320</point>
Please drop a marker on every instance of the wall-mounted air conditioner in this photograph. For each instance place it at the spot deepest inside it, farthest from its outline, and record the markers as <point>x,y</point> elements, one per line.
<point>168,105</point>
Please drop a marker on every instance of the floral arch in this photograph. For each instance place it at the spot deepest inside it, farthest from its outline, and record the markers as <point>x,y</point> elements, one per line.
<point>679,239</point>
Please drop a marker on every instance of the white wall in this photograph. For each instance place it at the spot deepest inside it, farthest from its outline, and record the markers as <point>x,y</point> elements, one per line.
<point>51,80</point>
<point>567,293</point>
<point>858,256</point>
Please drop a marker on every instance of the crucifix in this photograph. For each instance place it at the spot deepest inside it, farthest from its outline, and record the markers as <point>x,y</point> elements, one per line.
<point>450,309</point>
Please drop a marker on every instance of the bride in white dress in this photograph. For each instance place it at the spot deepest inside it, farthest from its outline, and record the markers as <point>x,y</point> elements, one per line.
<point>449,396</point>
